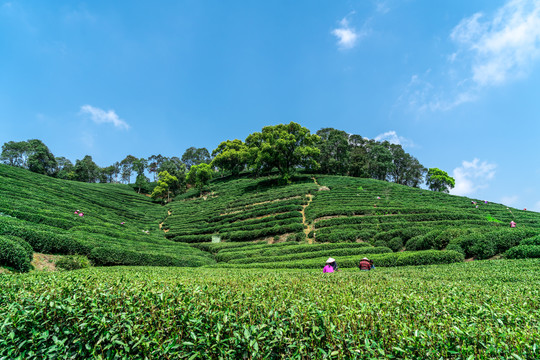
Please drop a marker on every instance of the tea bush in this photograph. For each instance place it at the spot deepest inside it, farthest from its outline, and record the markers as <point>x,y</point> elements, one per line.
<point>531,241</point>
<point>72,262</point>
<point>523,251</point>
<point>13,255</point>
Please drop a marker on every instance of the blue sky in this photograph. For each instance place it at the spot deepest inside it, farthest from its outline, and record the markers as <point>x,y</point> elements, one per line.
<point>455,82</point>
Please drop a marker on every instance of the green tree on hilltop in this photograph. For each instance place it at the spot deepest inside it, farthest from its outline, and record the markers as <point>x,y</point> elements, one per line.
<point>200,175</point>
<point>14,153</point>
<point>163,188</point>
<point>284,147</point>
<point>231,156</point>
<point>86,170</point>
<point>335,151</point>
<point>439,180</point>
<point>40,158</point>
<point>195,156</point>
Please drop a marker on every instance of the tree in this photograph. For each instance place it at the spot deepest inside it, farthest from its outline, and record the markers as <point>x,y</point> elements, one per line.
<point>379,161</point>
<point>284,147</point>
<point>358,156</point>
<point>231,156</point>
<point>165,181</point>
<point>14,153</point>
<point>40,159</point>
<point>200,175</point>
<point>407,169</point>
<point>86,170</point>
<point>108,172</point>
<point>140,165</point>
<point>195,156</point>
<point>127,167</point>
<point>140,182</point>
<point>154,163</point>
<point>439,180</point>
<point>175,167</point>
<point>63,167</point>
<point>335,151</point>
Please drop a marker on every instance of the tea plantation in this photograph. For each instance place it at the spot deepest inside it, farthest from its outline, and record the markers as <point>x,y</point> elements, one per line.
<point>260,292</point>
<point>475,310</point>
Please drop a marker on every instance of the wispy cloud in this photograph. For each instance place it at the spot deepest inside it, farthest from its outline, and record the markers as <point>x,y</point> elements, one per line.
<point>491,50</point>
<point>347,35</point>
<point>382,6</point>
<point>100,116</point>
<point>472,176</point>
<point>501,47</point>
<point>393,138</point>
<point>536,207</point>
<point>510,200</point>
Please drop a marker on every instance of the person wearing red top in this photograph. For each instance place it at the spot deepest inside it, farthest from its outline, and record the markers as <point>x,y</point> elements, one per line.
<point>364,264</point>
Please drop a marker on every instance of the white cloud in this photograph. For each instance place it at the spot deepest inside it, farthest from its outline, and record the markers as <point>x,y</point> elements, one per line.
<point>510,200</point>
<point>503,46</point>
<point>472,176</point>
<point>347,36</point>
<point>100,116</point>
<point>393,138</point>
<point>536,207</point>
<point>491,51</point>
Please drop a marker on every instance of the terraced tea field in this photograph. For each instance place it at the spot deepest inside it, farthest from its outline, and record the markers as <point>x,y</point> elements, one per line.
<point>118,226</point>
<point>475,310</point>
<point>346,211</point>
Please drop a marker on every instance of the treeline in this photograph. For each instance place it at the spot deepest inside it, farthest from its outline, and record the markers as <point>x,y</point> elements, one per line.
<point>35,156</point>
<point>284,148</point>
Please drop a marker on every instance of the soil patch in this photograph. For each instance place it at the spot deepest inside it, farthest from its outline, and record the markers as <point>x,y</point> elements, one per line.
<point>45,262</point>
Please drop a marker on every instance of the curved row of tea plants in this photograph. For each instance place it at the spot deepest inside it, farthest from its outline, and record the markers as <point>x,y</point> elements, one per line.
<point>243,209</point>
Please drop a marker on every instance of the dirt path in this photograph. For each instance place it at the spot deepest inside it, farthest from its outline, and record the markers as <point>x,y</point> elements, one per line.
<point>169,212</point>
<point>307,227</point>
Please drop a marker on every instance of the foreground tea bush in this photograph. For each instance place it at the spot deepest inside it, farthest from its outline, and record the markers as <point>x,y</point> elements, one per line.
<point>480,310</point>
<point>14,255</point>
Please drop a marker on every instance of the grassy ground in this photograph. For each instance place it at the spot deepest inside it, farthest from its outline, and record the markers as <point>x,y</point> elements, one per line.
<point>476,310</point>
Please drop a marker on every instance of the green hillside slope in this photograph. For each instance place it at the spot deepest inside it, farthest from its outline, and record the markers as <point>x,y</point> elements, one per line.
<point>339,209</point>
<point>118,226</point>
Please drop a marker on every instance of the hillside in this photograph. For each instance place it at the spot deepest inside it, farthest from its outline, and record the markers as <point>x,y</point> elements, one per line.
<point>346,211</point>
<point>118,226</point>
<point>259,222</point>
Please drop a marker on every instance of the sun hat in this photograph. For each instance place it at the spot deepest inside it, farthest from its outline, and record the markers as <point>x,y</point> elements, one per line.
<point>365,258</point>
<point>330,260</point>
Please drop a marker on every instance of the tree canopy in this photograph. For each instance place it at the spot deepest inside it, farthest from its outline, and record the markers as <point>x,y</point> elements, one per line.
<point>439,180</point>
<point>284,147</point>
<point>200,175</point>
<point>163,188</point>
<point>231,156</point>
